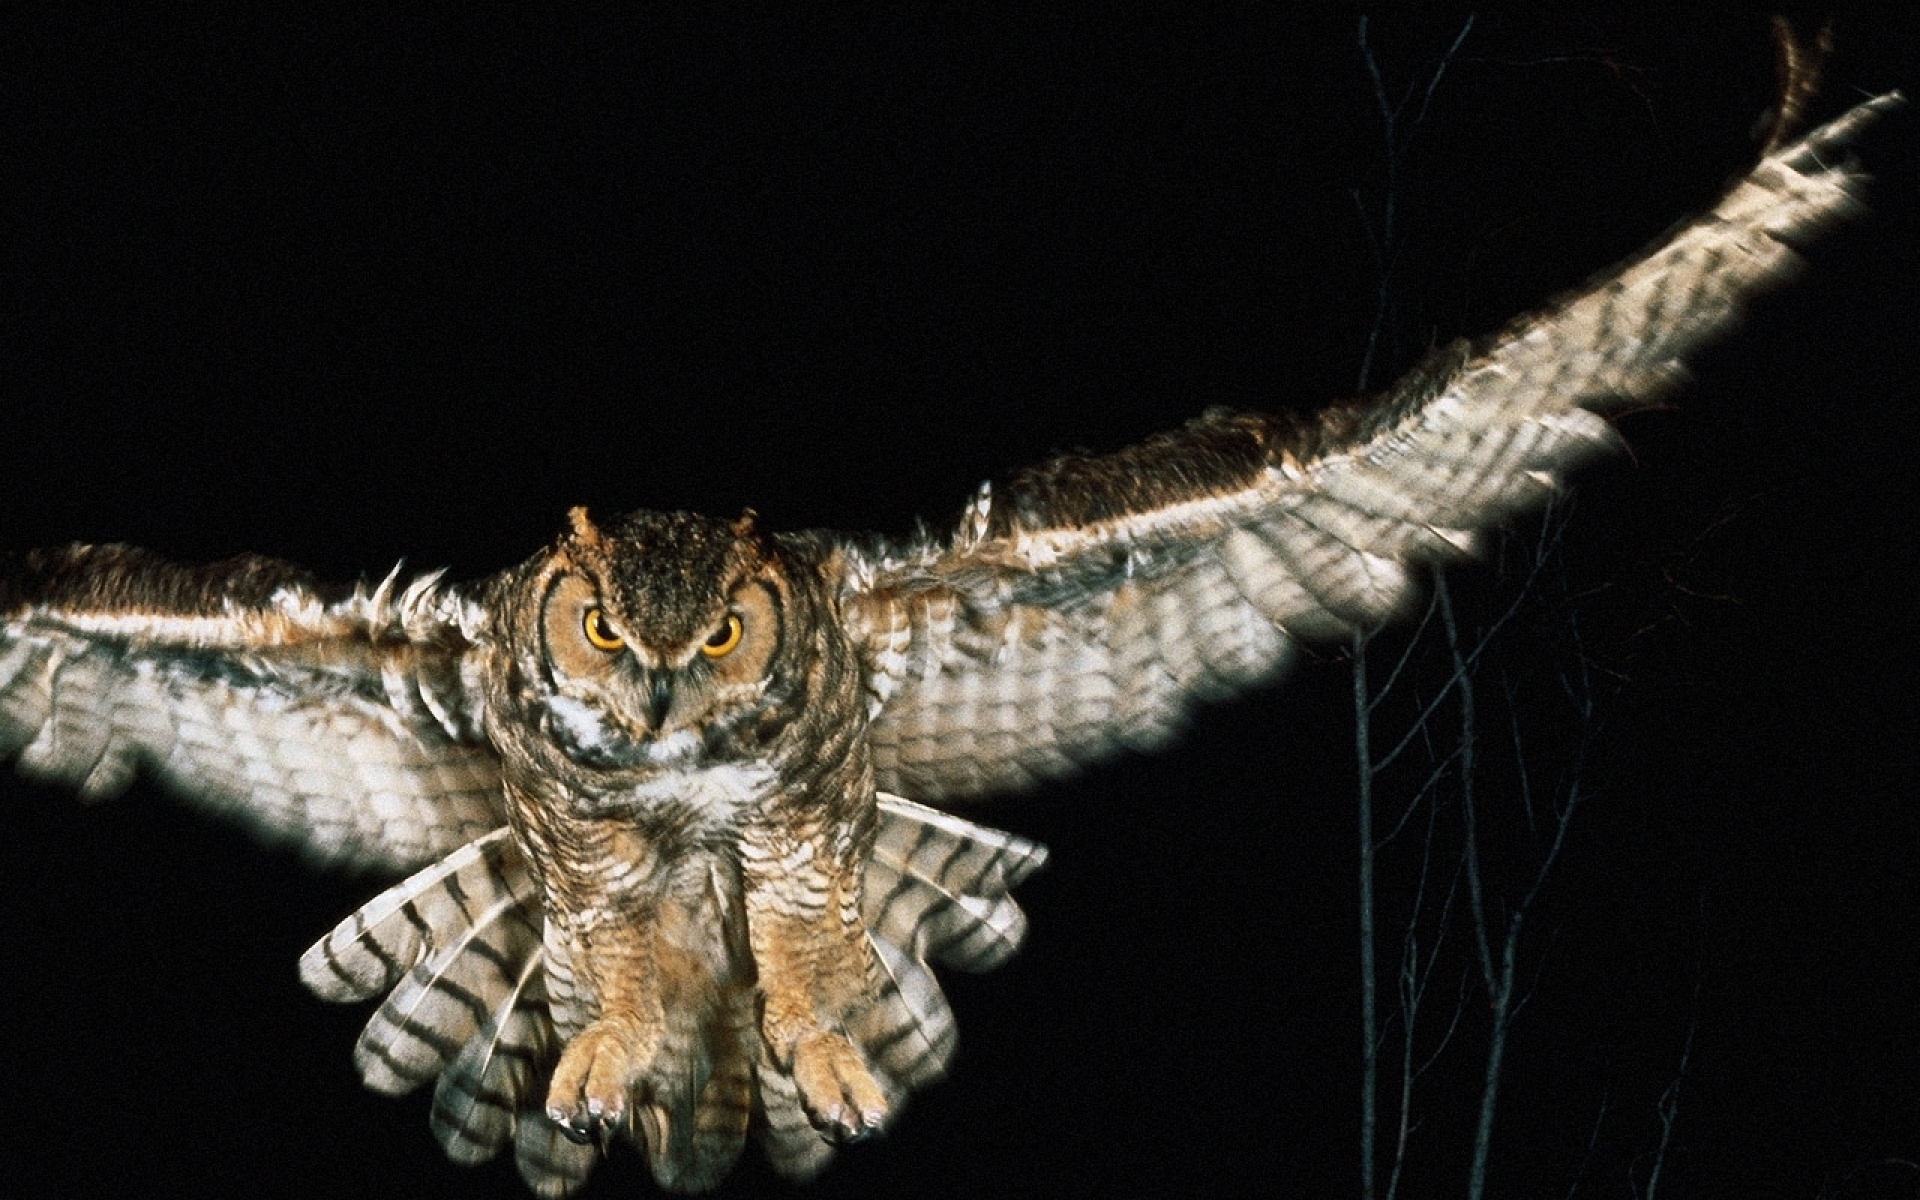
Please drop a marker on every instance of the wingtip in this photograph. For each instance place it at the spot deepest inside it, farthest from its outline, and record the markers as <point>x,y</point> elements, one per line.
<point>1841,132</point>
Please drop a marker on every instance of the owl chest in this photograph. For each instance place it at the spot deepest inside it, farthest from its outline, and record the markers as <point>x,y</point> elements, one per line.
<point>643,884</point>
<point>632,930</point>
<point>630,841</point>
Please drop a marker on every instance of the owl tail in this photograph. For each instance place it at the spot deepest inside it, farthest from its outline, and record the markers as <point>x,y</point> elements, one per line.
<point>940,887</point>
<point>692,1145</point>
<point>457,949</point>
<point>392,934</point>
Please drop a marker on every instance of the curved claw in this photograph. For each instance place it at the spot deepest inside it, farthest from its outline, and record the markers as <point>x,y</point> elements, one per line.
<point>572,1127</point>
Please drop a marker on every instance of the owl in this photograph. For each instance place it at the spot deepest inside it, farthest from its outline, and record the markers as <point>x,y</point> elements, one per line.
<point>669,796</point>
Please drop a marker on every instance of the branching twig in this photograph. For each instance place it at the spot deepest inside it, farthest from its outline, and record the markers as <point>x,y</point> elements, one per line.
<point>1384,241</point>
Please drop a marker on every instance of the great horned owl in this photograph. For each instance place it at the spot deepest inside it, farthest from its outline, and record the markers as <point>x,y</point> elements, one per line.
<point>662,785</point>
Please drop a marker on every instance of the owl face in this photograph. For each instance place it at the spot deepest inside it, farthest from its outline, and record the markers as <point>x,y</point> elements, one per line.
<point>655,640</point>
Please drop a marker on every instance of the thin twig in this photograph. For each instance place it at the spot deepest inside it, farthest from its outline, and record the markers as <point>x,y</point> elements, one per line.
<point>1668,1106</point>
<point>1369,1019</point>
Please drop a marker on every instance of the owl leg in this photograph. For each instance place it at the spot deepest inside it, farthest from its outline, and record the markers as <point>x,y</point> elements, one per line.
<point>665,1061</point>
<point>816,971</point>
<point>593,1083</point>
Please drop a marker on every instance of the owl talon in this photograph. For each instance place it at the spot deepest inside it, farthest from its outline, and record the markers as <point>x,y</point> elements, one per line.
<point>570,1128</point>
<point>595,1078</point>
<point>840,1095</point>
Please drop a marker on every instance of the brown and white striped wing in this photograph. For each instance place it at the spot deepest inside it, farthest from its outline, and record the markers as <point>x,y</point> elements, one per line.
<point>348,727</point>
<point>1086,606</point>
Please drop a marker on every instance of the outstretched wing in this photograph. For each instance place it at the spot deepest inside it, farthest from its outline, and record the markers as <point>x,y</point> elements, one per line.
<point>1088,604</point>
<point>348,726</point>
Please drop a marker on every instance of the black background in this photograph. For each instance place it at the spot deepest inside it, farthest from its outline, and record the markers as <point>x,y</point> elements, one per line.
<point>346,289</point>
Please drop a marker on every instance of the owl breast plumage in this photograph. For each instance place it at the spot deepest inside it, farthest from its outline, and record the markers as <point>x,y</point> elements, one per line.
<point>663,789</point>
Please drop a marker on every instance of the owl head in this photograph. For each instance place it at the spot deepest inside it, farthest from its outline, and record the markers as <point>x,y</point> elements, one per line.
<point>652,642</point>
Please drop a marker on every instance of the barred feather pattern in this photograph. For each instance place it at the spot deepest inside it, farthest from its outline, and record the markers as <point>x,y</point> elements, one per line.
<point>1088,605</point>
<point>347,727</point>
<point>458,951</point>
<point>457,947</point>
<point>792,1145</point>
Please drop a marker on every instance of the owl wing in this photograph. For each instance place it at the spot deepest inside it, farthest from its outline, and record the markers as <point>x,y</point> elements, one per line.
<point>1088,604</point>
<point>344,721</point>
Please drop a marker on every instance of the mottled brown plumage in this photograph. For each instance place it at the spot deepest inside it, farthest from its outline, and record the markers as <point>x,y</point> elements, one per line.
<point>658,784</point>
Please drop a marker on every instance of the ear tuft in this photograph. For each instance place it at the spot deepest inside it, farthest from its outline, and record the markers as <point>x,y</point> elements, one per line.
<point>583,527</point>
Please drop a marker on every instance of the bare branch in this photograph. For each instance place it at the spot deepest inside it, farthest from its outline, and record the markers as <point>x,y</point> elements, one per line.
<point>1667,1109</point>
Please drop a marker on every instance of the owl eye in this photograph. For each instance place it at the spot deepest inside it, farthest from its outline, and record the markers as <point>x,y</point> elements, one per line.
<point>724,639</point>
<point>599,633</point>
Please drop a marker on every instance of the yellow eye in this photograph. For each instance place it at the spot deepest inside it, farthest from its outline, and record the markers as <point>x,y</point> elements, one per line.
<point>724,639</point>
<point>600,634</point>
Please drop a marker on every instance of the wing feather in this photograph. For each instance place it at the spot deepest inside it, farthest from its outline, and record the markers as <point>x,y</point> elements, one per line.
<point>349,727</point>
<point>1087,606</point>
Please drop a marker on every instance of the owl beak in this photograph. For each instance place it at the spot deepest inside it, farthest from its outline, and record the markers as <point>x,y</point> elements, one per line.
<point>659,697</point>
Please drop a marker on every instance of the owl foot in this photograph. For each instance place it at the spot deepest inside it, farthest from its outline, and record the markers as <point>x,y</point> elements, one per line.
<point>594,1081</point>
<point>840,1095</point>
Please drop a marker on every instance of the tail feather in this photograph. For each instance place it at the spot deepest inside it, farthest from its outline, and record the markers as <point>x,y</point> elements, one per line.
<point>445,1000</point>
<point>496,1075</point>
<point>715,1129</point>
<point>938,886</point>
<point>367,953</point>
<point>550,1164</point>
<point>908,1033</point>
<point>789,1139</point>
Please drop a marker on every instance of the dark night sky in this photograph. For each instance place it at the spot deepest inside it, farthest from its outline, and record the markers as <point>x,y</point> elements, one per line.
<point>343,290</point>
